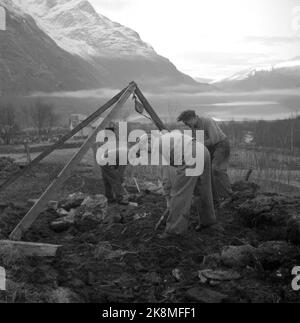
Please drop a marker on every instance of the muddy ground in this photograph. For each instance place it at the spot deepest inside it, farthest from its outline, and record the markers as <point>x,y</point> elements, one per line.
<point>127,262</point>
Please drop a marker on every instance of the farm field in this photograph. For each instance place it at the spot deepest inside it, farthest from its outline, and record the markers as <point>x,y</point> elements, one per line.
<point>126,261</point>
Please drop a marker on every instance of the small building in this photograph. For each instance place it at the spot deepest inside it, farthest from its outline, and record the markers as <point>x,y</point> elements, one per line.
<point>76,119</point>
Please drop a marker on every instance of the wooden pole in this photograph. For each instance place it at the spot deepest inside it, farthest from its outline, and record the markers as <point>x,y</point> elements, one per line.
<point>27,151</point>
<point>247,177</point>
<point>59,143</point>
<point>40,205</point>
<point>31,248</point>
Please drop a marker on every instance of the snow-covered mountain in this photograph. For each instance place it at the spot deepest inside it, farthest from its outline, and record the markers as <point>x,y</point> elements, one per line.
<point>79,29</point>
<point>31,61</point>
<point>283,75</point>
<point>89,50</point>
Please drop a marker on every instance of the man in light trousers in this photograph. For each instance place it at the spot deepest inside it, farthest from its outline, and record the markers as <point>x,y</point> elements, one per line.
<point>183,187</point>
<point>219,147</point>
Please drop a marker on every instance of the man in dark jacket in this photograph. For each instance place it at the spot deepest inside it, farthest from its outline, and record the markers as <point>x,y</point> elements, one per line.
<point>113,175</point>
<point>219,147</point>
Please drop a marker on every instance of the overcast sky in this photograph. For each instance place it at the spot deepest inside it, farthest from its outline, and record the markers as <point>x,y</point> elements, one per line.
<point>212,38</point>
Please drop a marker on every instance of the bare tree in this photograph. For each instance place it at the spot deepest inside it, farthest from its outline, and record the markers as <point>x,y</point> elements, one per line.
<point>43,116</point>
<point>8,123</point>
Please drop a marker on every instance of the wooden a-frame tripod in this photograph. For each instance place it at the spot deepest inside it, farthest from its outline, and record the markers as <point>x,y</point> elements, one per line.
<point>119,100</point>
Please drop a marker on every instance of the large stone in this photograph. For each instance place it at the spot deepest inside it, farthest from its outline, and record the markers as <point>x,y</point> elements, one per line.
<point>238,256</point>
<point>219,275</point>
<point>263,211</point>
<point>63,295</point>
<point>96,205</point>
<point>273,254</point>
<point>246,187</point>
<point>72,201</point>
<point>257,206</point>
<point>270,255</point>
<point>63,224</point>
<point>204,295</point>
<point>62,212</point>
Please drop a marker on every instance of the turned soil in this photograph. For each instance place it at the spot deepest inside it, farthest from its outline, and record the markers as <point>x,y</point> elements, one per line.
<point>127,262</point>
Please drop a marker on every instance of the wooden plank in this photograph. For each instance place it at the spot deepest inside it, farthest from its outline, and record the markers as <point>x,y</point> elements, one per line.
<point>249,173</point>
<point>27,151</point>
<point>59,143</point>
<point>157,121</point>
<point>40,205</point>
<point>30,248</point>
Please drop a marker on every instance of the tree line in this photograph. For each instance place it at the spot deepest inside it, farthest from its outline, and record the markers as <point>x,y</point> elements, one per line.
<point>284,134</point>
<point>40,117</point>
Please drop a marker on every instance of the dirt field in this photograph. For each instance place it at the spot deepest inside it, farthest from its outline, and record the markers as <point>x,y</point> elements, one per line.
<point>127,262</point>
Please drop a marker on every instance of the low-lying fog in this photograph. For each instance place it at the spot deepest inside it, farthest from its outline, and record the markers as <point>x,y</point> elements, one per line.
<point>267,105</point>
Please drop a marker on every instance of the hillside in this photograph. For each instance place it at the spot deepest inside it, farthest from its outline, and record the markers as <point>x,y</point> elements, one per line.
<point>31,61</point>
<point>65,45</point>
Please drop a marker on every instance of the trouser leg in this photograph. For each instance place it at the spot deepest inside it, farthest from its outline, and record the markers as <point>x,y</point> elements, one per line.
<point>180,202</point>
<point>106,175</point>
<point>113,178</point>
<point>204,200</point>
<point>122,170</point>
<point>220,163</point>
<point>117,187</point>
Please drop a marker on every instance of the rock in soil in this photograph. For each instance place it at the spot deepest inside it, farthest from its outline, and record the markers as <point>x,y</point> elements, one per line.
<point>63,295</point>
<point>245,187</point>
<point>62,224</point>
<point>126,262</point>
<point>293,230</point>
<point>219,275</point>
<point>268,210</point>
<point>204,295</point>
<point>72,202</point>
<point>238,256</point>
<point>62,212</point>
<point>273,254</point>
<point>97,205</point>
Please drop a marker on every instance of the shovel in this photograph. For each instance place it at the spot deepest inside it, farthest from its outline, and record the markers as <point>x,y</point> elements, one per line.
<point>161,219</point>
<point>137,185</point>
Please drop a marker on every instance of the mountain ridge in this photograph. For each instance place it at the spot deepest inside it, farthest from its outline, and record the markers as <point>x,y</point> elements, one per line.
<point>282,75</point>
<point>65,45</point>
<point>31,61</point>
<point>111,48</point>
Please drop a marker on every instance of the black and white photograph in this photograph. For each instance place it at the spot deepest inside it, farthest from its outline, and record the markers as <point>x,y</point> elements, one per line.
<point>149,154</point>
